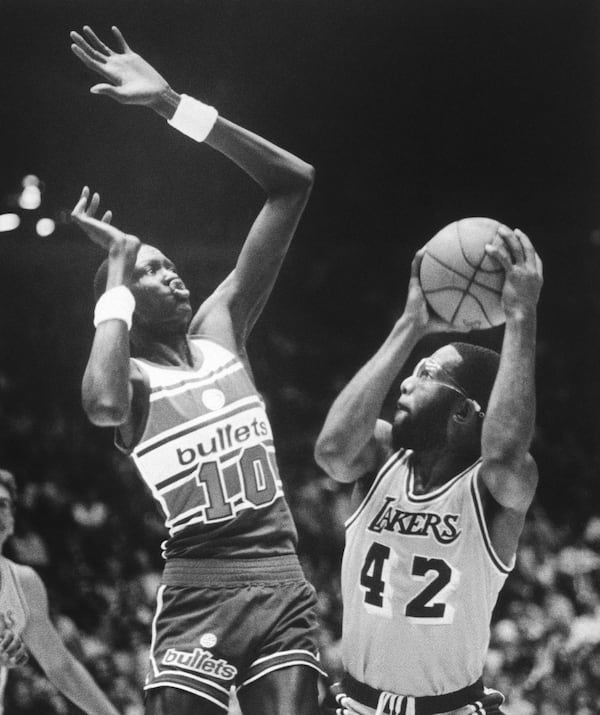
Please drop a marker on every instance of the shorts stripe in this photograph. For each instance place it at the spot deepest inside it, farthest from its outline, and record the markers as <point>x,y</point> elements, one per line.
<point>196,678</point>
<point>277,661</point>
<point>159,604</point>
<point>193,691</point>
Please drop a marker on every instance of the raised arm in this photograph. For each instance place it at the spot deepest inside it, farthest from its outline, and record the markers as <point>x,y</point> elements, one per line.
<point>64,671</point>
<point>106,387</point>
<point>354,442</point>
<point>286,180</point>
<point>507,469</point>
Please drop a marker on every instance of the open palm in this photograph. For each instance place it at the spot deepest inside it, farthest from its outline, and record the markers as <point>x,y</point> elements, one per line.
<point>131,80</point>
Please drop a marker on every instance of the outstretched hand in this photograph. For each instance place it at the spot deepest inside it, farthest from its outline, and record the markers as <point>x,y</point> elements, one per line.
<point>108,237</point>
<point>417,308</point>
<point>131,80</point>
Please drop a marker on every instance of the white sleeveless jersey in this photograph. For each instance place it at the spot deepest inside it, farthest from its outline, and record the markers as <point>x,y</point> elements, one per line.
<point>208,456</point>
<point>13,607</point>
<point>419,582</point>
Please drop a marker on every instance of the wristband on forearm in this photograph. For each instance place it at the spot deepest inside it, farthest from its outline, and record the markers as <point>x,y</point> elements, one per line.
<point>193,118</point>
<point>116,304</point>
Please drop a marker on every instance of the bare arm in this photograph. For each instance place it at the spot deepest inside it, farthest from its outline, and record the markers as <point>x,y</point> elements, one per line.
<point>106,388</point>
<point>507,470</point>
<point>354,442</point>
<point>62,669</point>
<point>286,180</point>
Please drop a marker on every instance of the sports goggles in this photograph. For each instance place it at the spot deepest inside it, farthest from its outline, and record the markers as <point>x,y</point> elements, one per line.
<point>430,370</point>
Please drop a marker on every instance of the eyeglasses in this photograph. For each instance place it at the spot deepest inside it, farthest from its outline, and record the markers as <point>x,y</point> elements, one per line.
<point>429,370</point>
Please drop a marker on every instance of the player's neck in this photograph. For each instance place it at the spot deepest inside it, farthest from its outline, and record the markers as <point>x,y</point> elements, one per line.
<point>172,350</point>
<point>433,468</point>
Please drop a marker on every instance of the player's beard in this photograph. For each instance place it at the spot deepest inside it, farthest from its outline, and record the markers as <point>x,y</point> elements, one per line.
<point>419,433</point>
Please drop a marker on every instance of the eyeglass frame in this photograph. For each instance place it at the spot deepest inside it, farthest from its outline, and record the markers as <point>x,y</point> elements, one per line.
<point>454,385</point>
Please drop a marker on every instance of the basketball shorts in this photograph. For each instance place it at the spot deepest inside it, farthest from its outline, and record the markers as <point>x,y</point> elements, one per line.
<point>224,623</point>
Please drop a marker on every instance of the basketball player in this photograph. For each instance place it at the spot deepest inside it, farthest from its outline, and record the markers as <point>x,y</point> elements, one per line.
<point>24,609</point>
<point>441,498</point>
<point>234,608</point>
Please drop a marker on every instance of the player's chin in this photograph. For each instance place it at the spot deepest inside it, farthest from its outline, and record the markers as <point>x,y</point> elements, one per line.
<point>401,429</point>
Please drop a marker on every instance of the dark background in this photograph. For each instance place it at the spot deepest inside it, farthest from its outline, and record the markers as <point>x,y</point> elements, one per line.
<point>414,113</point>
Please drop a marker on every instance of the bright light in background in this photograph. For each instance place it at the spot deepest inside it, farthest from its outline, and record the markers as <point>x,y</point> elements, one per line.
<point>31,197</point>
<point>45,227</point>
<point>8,222</point>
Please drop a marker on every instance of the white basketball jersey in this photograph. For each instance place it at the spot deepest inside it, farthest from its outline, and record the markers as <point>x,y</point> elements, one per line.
<point>13,607</point>
<point>419,582</point>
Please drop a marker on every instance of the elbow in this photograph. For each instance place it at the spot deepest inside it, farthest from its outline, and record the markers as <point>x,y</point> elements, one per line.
<point>307,175</point>
<point>328,458</point>
<point>104,412</point>
<point>298,182</point>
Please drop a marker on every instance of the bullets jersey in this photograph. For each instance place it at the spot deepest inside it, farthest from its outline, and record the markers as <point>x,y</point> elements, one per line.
<point>207,455</point>
<point>13,608</point>
<point>420,579</point>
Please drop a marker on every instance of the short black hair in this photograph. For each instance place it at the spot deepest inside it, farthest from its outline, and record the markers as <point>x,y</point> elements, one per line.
<point>7,480</point>
<point>477,371</point>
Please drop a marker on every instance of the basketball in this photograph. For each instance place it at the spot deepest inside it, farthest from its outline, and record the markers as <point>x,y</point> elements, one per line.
<point>461,283</point>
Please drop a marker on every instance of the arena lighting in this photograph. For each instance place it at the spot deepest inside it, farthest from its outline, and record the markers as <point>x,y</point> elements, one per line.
<point>45,227</point>
<point>31,196</point>
<point>8,222</point>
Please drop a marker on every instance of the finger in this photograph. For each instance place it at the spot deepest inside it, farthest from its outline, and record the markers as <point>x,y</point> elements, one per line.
<point>21,657</point>
<point>87,48</point>
<point>353,706</point>
<point>528,249</point>
<point>539,266</point>
<point>94,203</point>
<point>96,41</point>
<point>107,89</point>
<point>415,266</point>
<point>120,39</point>
<point>82,203</point>
<point>512,243</point>
<point>107,218</point>
<point>88,62</point>
<point>13,646</point>
<point>500,254</point>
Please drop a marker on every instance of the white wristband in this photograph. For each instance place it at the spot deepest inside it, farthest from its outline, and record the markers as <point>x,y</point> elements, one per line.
<point>193,118</point>
<point>116,304</point>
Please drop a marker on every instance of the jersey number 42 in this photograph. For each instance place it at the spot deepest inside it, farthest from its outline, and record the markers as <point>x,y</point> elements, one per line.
<point>430,604</point>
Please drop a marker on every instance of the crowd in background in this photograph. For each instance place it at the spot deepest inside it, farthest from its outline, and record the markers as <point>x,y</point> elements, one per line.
<point>87,524</point>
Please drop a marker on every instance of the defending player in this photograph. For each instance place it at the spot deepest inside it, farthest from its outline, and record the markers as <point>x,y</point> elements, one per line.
<point>24,610</point>
<point>442,495</point>
<point>234,607</point>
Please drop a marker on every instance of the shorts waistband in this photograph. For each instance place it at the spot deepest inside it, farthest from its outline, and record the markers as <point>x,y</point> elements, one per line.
<point>426,705</point>
<point>232,572</point>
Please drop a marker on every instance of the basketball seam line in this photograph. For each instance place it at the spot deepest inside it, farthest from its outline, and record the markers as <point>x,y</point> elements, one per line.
<point>461,275</point>
<point>477,267</point>
<point>470,283</point>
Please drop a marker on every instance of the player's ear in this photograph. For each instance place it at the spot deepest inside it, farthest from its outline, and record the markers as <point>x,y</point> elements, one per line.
<point>465,412</point>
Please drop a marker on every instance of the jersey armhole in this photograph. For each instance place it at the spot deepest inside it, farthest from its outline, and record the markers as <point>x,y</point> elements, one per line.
<point>504,568</point>
<point>384,469</point>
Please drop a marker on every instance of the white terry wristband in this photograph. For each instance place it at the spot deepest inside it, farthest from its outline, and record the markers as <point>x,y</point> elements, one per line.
<point>116,304</point>
<point>193,118</point>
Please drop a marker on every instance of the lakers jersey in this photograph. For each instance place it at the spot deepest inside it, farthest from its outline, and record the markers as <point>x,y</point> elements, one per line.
<point>13,607</point>
<point>420,579</point>
<point>207,455</point>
